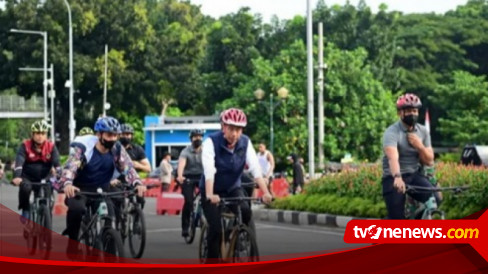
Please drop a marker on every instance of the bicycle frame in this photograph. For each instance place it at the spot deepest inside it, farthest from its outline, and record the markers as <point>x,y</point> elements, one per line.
<point>38,229</point>
<point>100,215</point>
<point>426,210</point>
<point>230,225</point>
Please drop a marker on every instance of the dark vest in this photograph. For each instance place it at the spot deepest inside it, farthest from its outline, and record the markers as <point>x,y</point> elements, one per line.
<point>229,164</point>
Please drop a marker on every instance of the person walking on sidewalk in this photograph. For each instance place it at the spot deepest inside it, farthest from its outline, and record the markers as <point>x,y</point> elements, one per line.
<point>267,163</point>
<point>166,171</point>
<point>298,178</point>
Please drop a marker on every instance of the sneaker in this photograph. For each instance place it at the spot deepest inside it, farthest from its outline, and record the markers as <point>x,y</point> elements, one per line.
<point>24,218</point>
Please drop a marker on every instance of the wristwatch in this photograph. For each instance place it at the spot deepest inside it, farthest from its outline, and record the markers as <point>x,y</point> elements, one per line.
<point>397,175</point>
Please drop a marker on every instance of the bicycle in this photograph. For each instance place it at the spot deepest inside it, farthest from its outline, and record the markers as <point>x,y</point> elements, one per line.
<point>428,210</point>
<point>38,230</point>
<point>132,225</point>
<point>98,232</point>
<point>238,242</point>
<point>195,217</point>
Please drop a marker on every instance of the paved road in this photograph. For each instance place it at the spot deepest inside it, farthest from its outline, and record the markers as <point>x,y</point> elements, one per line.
<point>164,239</point>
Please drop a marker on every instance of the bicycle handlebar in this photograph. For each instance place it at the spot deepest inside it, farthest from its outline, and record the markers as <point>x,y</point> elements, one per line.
<point>236,200</point>
<point>100,194</point>
<point>422,189</point>
<point>46,183</point>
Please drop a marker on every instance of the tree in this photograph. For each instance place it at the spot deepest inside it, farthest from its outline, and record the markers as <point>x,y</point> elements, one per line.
<point>230,50</point>
<point>466,118</point>
<point>358,108</point>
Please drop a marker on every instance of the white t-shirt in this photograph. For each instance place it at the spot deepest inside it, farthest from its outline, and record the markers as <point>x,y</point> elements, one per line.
<point>264,163</point>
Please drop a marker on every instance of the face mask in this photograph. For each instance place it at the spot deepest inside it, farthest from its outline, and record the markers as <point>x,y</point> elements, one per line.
<point>197,143</point>
<point>410,120</point>
<point>107,144</point>
<point>125,141</point>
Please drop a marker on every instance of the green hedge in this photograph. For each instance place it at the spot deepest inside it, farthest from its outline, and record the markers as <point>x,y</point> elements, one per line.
<point>359,193</point>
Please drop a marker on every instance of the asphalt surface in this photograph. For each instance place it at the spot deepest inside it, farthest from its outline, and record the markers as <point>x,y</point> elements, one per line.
<point>164,240</point>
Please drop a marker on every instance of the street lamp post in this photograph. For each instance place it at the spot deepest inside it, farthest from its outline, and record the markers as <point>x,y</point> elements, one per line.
<point>282,94</point>
<point>44,82</point>
<point>52,95</point>
<point>70,83</point>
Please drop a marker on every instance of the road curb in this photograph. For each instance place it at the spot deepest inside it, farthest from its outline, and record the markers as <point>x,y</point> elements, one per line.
<point>301,217</point>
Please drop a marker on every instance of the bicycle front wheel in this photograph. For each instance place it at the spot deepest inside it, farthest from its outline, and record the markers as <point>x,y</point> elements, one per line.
<point>113,249</point>
<point>244,246</point>
<point>30,235</point>
<point>137,233</point>
<point>45,232</point>
<point>203,246</point>
<point>191,233</point>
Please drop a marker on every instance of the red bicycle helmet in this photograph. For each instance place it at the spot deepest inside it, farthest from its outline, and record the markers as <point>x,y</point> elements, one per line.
<point>235,117</point>
<point>408,100</point>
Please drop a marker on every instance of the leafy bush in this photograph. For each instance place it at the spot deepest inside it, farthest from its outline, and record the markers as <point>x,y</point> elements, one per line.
<point>450,157</point>
<point>359,193</point>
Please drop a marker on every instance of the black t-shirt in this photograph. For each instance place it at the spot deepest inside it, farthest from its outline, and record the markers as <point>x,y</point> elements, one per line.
<point>136,152</point>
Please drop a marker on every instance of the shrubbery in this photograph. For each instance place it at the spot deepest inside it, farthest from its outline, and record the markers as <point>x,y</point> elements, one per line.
<point>359,193</point>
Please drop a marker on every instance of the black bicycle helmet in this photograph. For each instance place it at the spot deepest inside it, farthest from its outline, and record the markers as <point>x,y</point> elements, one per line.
<point>196,132</point>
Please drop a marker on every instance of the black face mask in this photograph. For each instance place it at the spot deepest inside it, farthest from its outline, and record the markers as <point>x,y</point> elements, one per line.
<point>125,141</point>
<point>107,144</point>
<point>410,120</point>
<point>196,143</point>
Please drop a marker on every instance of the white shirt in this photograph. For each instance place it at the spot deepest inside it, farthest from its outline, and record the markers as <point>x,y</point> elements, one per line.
<point>264,163</point>
<point>208,160</point>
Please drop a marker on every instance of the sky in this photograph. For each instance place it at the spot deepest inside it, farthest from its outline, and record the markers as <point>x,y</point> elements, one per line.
<point>287,9</point>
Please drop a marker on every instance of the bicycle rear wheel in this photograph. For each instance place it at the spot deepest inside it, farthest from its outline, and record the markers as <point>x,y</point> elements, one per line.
<point>244,246</point>
<point>112,247</point>
<point>137,233</point>
<point>45,232</point>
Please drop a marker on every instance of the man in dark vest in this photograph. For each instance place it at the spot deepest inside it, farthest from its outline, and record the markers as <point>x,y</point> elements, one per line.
<point>35,160</point>
<point>224,156</point>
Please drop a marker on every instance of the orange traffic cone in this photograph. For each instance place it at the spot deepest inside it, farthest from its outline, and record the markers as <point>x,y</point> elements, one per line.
<point>59,207</point>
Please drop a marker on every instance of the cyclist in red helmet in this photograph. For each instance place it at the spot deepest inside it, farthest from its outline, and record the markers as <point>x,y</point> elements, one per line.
<point>407,147</point>
<point>224,156</point>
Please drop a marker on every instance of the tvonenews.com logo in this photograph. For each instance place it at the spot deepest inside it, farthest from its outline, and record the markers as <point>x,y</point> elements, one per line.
<point>464,231</point>
<point>374,232</point>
